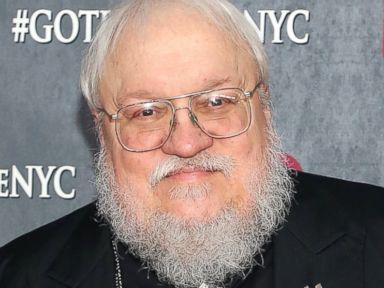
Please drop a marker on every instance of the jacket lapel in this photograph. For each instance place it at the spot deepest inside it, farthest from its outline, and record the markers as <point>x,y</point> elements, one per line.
<point>81,262</point>
<point>318,244</point>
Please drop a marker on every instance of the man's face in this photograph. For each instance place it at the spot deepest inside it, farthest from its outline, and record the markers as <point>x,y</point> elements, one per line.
<point>193,225</point>
<point>175,54</point>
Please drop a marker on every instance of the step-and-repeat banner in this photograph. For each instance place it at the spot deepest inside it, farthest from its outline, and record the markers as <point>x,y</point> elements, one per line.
<point>326,59</point>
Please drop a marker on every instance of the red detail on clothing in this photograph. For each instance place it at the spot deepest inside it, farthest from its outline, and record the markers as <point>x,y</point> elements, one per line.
<point>292,163</point>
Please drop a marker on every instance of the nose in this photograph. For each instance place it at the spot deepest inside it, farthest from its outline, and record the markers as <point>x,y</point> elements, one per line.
<point>186,139</point>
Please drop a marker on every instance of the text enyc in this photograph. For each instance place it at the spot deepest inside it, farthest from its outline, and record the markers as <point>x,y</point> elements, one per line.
<point>11,182</point>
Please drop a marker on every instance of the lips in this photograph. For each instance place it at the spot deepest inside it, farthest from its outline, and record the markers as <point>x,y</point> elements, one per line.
<point>189,170</point>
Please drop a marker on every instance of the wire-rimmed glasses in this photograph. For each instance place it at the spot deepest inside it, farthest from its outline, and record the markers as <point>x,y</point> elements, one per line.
<point>147,125</point>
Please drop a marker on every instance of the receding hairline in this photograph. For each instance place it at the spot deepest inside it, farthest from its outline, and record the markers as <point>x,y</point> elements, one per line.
<point>129,39</point>
<point>134,15</point>
<point>140,24</point>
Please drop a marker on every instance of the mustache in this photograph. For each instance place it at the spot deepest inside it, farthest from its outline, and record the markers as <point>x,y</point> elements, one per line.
<point>204,161</point>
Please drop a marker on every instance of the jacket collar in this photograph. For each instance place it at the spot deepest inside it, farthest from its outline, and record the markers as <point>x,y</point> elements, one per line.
<point>316,219</point>
<point>87,245</point>
<point>318,238</point>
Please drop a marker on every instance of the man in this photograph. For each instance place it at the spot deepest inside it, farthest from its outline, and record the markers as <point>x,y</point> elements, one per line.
<point>192,189</point>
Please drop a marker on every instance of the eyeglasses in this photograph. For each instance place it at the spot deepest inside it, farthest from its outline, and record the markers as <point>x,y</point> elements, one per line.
<point>147,125</point>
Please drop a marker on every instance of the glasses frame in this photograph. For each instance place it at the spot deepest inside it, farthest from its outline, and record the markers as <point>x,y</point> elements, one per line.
<point>246,94</point>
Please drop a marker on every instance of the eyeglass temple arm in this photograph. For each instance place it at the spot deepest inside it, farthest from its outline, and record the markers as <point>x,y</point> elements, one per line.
<point>250,93</point>
<point>101,110</point>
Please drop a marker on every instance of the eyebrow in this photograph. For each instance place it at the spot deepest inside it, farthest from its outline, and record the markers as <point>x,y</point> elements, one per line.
<point>134,94</point>
<point>145,94</point>
<point>215,83</point>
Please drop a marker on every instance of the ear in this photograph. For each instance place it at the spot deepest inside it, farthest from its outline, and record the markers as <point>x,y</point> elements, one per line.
<point>265,98</point>
<point>93,114</point>
<point>97,121</point>
<point>267,115</point>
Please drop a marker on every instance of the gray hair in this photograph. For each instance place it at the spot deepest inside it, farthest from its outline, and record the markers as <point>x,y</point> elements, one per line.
<point>226,17</point>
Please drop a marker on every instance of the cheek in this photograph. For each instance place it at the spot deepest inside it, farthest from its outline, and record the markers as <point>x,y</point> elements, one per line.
<point>249,151</point>
<point>125,164</point>
<point>257,133</point>
<point>250,145</point>
<point>131,169</point>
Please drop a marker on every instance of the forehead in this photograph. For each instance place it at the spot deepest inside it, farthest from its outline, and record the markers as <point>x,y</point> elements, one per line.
<point>176,51</point>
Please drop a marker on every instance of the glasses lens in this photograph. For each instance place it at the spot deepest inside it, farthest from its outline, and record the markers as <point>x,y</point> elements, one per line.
<point>144,126</point>
<point>222,113</point>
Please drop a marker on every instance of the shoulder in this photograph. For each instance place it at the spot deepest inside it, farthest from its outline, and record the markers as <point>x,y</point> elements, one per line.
<point>330,183</point>
<point>339,204</point>
<point>342,218</point>
<point>360,199</point>
<point>36,250</point>
<point>49,234</point>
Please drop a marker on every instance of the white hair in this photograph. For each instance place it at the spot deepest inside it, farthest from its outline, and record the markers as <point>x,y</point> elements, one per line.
<point>226,17</point>
<point>212,251</point>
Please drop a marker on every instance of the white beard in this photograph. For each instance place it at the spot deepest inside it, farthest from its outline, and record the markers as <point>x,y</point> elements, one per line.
<point>211,252</point>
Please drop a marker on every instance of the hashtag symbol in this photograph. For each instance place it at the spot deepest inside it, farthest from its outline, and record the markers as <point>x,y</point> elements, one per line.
<point>20,27</point>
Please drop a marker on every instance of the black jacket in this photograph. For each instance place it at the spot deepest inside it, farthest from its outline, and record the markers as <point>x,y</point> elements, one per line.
<point>334,236</point>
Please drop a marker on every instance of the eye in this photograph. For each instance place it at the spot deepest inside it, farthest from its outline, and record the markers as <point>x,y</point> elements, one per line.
<point>215,101</point>
<point>147,112</point>
<point>144,113</point>
<point>220,100</point>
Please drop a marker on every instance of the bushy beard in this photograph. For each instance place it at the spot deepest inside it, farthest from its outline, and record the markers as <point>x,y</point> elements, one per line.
<point>189,253</point>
